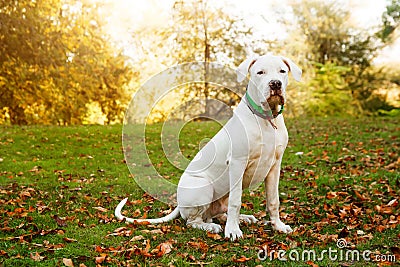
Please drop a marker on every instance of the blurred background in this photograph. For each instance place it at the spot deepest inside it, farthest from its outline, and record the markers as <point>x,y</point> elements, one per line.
<point>67,62</point>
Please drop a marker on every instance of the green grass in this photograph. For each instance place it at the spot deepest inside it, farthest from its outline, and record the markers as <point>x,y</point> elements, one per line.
<point>59,187</point>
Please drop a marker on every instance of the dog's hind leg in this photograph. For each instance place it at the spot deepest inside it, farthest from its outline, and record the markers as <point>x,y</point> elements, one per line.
<point>195,218</point>
<point>195,196</point>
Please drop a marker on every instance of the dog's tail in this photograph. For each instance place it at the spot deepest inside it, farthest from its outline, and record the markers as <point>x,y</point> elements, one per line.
<point>169,217</point>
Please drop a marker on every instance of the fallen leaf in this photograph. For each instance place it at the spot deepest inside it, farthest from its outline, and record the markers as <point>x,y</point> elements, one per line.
<point>395,251</point>
<point>202,246</point>
<point>344,233</point>
<point>100,259</point>
<point>380,228</point>
<point>393,202</point>
<point>359,195</point>
<point>331,195</point>
<point>311,264</point>
<point>36,257</point>
<point>154,232</point>
<point>69,240</point>
<point>68,262</point>
<point>136,238</point>
<point>214,236</point>
<point>241,259</point>
<point>191,258</point>
<point>60,222</point>
<point>100,209</point>
<point>164,248</point>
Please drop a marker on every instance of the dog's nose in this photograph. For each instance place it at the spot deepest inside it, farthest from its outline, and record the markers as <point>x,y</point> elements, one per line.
<point>275,86</point>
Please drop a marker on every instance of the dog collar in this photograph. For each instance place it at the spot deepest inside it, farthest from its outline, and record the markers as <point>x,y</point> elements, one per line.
<point>259,111</point>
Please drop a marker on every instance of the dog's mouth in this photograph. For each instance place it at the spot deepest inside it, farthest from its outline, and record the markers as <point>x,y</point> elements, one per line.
<point>274,103</point>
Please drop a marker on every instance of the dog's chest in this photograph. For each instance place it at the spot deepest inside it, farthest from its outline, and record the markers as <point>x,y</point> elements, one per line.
<point>263,155</point>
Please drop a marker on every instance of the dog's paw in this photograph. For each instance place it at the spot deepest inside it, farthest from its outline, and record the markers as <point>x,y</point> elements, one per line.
<point>233,231</point>
<point>281,227</point>
<point>209,227</point>
<point>213,228</point>
<point>247,218</point>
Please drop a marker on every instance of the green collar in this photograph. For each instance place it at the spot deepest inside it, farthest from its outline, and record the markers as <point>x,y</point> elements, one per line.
<point>259,111</point>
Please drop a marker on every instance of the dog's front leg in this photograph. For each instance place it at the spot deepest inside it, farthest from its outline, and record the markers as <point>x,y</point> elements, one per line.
<point>272,191</point>
<point>236,170</point>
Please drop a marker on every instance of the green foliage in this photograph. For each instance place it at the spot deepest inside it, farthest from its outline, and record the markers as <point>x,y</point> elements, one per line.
<point>391,21</point>
<point>343,80</point>
<point>57,62</point>
<point>327,92</point>
<point>55,59</point>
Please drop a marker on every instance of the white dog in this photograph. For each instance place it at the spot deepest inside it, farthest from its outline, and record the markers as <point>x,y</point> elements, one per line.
<point>245,152</point>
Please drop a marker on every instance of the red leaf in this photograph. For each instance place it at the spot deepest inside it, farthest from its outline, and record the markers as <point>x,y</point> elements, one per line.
<point>312,264</point>
<point>98,249</point>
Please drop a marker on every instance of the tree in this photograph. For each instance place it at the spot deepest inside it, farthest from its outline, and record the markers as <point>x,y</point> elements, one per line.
<point>199,32</point>
<point>391,21</point>
<point>55,60</point>
<point>334,45</point>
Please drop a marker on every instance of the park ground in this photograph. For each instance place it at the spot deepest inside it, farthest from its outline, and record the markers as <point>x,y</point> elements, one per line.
<point>59,187</point>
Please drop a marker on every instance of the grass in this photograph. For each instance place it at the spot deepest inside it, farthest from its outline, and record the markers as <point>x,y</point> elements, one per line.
<point>59,187</point>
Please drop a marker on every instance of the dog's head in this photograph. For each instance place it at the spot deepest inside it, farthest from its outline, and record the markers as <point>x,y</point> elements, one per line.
<point>268,79</point>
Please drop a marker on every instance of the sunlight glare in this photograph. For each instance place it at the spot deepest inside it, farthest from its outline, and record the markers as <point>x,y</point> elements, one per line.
<point>128,16</point>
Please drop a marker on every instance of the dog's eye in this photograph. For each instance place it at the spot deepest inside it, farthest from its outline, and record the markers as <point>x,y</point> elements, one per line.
<point>282,71</point>
<point>261,72</point>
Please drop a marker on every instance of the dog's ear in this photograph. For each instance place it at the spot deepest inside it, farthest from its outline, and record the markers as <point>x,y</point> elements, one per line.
<point>244,68</point>
<point>296,71</point>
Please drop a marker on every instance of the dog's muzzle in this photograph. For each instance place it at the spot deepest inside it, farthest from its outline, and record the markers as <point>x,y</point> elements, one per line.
<point>276,98</point>
<point>276,87</point>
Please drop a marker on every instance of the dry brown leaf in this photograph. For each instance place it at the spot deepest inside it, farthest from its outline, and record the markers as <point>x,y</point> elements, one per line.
<point>311,264</point>
<point>68,262</point>
<point>154,232</point>
<point>60,221</point>
<point>241,259</point>
<point>36,256</point>
<point>164,248</point>
<point>69,240</point>
<point>100,259</point>
<point>331,195</point>
<point>214,236</point>
<point>395,251</point>
<point>136,238</point>
<point>100,209</point>
<point>199,245</point>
